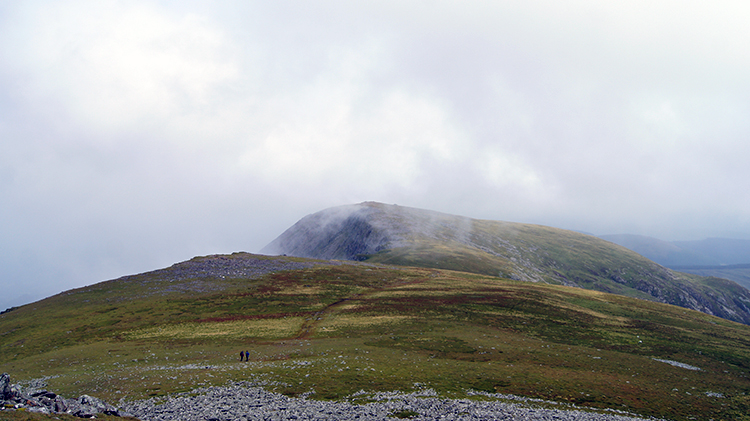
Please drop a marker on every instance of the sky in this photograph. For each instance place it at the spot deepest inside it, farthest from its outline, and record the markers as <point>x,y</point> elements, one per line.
<point>137,134</point>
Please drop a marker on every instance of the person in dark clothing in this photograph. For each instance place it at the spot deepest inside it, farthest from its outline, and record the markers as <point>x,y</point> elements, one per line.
<point>242,355</point>
<point>247,355</point>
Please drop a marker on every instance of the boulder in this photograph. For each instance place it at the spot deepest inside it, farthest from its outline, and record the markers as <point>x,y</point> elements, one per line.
<point>16,393</point>
<point>88,406</point>
<point>60,404</point>
<point>44,394</point>
<point>5,386</point>
<point>39,409</point>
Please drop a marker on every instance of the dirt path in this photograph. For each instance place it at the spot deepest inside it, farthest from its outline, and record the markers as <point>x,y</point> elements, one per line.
<point>310,326</point>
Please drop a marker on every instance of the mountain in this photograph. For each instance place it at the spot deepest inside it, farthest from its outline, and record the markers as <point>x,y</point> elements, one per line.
<point>679,254</point>
<point>349,331</point>
<point>736,273</point>
<point>391,234</point>
<point>662,252</point>
<point>723,251</point>
<point>712,257</point>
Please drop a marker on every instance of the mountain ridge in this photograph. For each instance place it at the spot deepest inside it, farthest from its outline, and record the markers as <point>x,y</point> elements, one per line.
<point>380,233</point>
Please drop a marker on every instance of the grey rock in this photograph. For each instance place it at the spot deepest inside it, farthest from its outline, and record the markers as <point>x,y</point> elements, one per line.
<point>16,393</point>
<point>5,386</point>
<point>44,393</point>
<point>43,401</point>
<point>40,409</point>
<point>86,406</point>
<point>60,405</point>
<point>242,402</point>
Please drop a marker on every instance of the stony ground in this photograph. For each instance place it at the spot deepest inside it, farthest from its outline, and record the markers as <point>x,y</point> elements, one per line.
<point>243,402</point>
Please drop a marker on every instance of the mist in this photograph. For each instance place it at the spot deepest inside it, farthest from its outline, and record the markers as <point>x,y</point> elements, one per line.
<point>134,135</point>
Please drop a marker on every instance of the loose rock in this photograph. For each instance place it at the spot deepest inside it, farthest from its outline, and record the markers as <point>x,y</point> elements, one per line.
<point>242,402</point>
<point>13,397</point>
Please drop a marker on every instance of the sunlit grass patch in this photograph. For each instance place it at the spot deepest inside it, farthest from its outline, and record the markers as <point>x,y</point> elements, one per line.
<point>348,307</point>
<point>450,283</point>
<point>301,290</point>
<point>352,321</point>
<point>256,328</point>
<point>608,319</point>
<point>412,293</point>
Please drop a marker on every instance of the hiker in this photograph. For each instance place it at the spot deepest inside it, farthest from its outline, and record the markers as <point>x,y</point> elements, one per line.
<point>242,354</point>
<point>247,355</point>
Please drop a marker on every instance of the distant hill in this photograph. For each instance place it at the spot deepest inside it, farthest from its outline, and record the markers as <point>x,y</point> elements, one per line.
<point>724,251</point>
<point>736,273</point>
<point>662,252</point>
<point>391,234</point>
<point>718,257</point>
<point>707,252</point>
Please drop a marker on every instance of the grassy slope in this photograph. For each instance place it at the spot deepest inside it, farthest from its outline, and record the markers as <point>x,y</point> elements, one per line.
<point>337,329</point>
<point>545,254</point>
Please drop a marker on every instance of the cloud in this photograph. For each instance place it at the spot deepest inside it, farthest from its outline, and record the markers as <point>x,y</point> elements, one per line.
<point>136,134</point>
<point>111,65</point>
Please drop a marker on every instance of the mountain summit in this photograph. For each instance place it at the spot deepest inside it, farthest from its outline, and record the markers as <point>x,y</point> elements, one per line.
<point>393,234</point>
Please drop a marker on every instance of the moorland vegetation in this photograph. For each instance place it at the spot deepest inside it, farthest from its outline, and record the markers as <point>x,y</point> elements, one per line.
<point>329,329</point>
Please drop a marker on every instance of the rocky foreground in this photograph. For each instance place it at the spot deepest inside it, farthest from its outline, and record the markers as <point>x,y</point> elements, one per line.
<point>37,399</point>
<point>249,402</point>
<point>242,402</point>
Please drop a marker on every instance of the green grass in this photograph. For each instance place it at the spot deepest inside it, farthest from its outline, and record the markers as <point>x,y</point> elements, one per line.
<point>336,330</point>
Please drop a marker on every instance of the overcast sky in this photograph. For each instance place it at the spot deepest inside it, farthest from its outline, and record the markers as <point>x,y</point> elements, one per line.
<point>137,134</point>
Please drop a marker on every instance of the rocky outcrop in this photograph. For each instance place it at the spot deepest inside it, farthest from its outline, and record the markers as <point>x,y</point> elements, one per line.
<point>344,233</point>
<point>36,399</point>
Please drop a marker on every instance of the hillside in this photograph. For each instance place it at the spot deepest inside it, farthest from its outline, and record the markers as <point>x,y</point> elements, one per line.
<point>380,233</point>
<point>662,252</point>
<point>713,257</point>
<point>345,330</point>
<point>736,273</point>
<point>677,254</point>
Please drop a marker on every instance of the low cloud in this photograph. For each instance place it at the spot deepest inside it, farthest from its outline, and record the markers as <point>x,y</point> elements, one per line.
<point>138,134</point>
